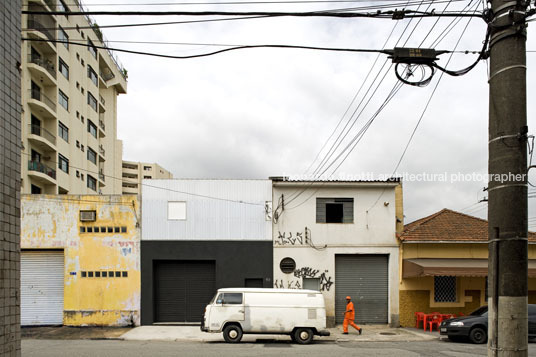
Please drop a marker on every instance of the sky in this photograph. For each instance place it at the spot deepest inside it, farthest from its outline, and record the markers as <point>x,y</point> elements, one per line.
<point>255,113</point>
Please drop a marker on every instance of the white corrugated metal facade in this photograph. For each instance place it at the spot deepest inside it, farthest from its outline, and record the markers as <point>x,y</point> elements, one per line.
<point>215,209</point>
<point>41,287</point>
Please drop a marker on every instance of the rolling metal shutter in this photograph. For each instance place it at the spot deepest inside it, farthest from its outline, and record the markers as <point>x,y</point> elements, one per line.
<point>183,289</point>
<point>365,279</point>
<point>41,288</point>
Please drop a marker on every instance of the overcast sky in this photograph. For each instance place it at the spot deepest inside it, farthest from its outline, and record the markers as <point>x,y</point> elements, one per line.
<point>257,113</point>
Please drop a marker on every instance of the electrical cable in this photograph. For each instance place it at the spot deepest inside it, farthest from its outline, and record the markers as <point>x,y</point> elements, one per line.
<point>323,13</point>
<point>360,50</point>
<point>231,3</point>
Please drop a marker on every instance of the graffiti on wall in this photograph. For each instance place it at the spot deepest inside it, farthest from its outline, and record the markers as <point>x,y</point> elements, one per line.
<point>325,280</point>
<point>288,238</point>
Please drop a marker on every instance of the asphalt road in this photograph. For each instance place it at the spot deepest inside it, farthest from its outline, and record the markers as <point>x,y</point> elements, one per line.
<point>260,348</point>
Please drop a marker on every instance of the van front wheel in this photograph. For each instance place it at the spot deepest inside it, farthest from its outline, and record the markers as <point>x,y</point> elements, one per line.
<point>232,333</point>
<point>303,335</point>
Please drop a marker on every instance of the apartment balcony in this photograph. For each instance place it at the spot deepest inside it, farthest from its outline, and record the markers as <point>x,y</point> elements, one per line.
<point>102,126</point>
<point>42,138</point>
<point>130,189</point>
<point>102,152</point>
<point>41,104</point>
<point>41,173</point>
<point>130,180</point>
<point>102,178</point>
<point>42,69</point>
<point>37,30</point>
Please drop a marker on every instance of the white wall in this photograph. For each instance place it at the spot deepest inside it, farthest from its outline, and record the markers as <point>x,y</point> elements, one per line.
<point>371,233</point>
<point>215,209</point>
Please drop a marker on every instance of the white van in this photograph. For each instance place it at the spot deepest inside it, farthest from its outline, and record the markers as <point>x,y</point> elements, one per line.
<point>236,311</point>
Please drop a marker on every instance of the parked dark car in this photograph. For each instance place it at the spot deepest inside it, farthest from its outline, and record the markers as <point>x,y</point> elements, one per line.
<point>475,325</point>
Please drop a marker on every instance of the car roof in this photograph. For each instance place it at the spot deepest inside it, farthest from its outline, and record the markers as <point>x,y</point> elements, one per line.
<point>268,290</point>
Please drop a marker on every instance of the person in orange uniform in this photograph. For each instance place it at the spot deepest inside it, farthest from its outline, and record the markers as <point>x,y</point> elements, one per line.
<point>349,317</point>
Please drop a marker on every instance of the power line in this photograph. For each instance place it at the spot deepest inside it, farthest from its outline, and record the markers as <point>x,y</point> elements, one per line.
<point>360,50</point>
<point>396,14</point>
<point>233,3</point>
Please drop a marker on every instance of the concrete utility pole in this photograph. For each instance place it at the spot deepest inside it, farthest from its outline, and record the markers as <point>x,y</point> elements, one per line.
<point>507,210</point>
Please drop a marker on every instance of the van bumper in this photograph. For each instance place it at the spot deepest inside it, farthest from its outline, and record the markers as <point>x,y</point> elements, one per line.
<point>323,333</point>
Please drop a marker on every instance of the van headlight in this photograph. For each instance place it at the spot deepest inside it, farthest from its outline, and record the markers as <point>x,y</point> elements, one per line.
<point>456,323</point>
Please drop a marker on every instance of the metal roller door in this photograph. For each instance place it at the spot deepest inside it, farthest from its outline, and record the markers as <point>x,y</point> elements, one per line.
<point>41,288</point>
<point>365,279</point>
<point>183,289</point>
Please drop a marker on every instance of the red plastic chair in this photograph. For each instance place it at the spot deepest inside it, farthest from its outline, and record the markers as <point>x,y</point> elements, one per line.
<point>419,316</point>
<point>435,319</point>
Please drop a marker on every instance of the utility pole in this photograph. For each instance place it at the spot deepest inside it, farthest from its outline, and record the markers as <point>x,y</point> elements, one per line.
<point>507,193</point>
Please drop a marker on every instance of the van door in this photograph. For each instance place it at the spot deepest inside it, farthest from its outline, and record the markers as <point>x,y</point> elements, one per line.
<point>227,307</point>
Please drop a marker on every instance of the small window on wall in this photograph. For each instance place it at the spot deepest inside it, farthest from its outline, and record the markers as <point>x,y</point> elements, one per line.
<point>445,289</point>
<point>334,210</point>
<point>177,211</point>
<point>311,283</point>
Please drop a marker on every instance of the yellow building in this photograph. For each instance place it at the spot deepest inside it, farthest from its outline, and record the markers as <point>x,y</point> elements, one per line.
<point>80,260</point>
<point>444,260</point>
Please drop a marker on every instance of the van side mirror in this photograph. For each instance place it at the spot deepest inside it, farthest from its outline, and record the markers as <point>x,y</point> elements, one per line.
<point>219,301</point>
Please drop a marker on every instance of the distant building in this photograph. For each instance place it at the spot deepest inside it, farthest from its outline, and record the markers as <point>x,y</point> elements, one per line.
<point>69,101</point>
<point>135,172</point>
<point>199,236</point>
<point>339,237</point>
<point>80,260</point>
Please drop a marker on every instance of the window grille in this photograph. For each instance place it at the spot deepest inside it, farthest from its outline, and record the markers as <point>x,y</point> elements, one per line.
<point>445,289</point>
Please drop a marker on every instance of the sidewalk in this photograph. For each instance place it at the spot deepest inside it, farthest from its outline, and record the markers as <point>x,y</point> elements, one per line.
<point>194,334</point>
<point>371,333</point>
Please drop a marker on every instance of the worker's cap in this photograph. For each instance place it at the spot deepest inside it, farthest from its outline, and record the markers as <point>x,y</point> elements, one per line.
<point>348,298</point>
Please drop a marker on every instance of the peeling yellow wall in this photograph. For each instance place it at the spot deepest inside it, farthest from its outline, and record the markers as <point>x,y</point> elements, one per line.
<point>53,221</point>
<point>416,294</point>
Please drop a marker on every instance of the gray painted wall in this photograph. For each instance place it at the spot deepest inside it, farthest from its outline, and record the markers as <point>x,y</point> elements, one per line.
<point>10,166</point>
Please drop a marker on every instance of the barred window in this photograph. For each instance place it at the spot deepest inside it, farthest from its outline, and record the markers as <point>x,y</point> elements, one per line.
<point>445,289</point>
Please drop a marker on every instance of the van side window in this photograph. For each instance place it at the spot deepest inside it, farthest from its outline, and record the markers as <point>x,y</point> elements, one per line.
<point>232,298</point>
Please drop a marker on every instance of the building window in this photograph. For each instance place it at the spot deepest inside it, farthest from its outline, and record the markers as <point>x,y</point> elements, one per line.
<point>91,101</point>
<point>64,68</point>
<point>91,183</point>
<point>63,163</point>
<point>287,265</point>
<point>177,211</point>
<point>91,156</point>
<point>63,100</point>
<point>63,131</point>
<point>147,177</point>
<point>445,289</point>
<point>91,48</point>
<point>334,210</point>
<point>62,36</point>
<point>91,128</point>
<point>92,75</point>
<point>147,168</point>
<point>35,190</point>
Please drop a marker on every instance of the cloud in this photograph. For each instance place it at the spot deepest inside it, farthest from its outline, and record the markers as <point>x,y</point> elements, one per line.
<point>261,112</point>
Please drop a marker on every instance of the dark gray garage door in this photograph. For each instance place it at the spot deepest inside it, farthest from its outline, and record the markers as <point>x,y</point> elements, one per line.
<point>365,279</point>
<point>182,289</point>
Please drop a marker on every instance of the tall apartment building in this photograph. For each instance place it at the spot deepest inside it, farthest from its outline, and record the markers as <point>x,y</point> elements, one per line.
<point>69,97</point>
<point>135,172</point>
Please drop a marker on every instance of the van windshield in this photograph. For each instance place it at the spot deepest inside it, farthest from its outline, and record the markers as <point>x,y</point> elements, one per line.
<point>212,300</point>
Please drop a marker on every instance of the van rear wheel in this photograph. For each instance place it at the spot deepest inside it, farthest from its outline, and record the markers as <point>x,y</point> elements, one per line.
<point>232,333</point>
<point>303,335</point>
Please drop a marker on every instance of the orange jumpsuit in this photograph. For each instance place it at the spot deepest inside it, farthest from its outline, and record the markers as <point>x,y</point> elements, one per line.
<point>349,317</point>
